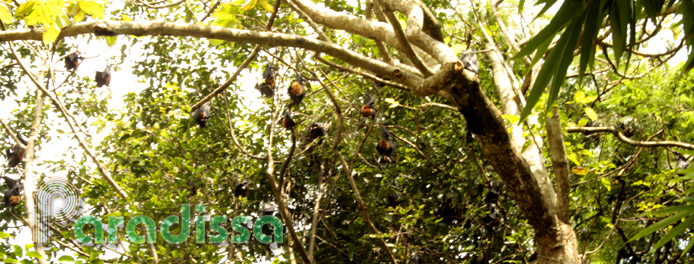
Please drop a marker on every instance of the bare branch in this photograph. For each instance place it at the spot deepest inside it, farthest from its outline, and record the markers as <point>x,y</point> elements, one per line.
<point>13,134</point>
<point>630,141</point>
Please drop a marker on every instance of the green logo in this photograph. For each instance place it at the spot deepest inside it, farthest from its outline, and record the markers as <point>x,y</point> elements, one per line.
<point>181,223</point>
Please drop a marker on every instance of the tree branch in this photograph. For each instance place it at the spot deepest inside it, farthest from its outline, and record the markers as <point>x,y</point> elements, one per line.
<point>400,35</point>
<point>630,141</point>
<point>560,164</point>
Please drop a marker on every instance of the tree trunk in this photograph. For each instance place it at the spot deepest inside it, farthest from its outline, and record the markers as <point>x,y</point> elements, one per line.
<point>556,240</point>
<point>557,245</point>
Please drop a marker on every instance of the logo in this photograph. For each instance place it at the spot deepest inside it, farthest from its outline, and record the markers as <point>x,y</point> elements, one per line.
<point>58,202</point>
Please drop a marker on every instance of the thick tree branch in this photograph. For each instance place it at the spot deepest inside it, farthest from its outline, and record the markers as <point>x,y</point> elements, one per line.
<point>31,179</point>
<point>382,50</point>
<point>406,77</point>
<point>375,30</point>
<point>560,164</point>
<point>403,39</point>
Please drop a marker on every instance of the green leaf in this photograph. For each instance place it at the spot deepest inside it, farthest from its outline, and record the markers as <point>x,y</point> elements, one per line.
<point>250,5</point>
<point>540,52</point>
<point>111,40</point>
<point>268,7</point>
<point>18,250</point>
<point>34,254</point>
<point>9,260</point>
<point>458,48</point>
<point>618,26</point>
<point>687,11</point>
<point>5,14</point>
<point>567,47</point>
<point>66,258</point>
<point>673,209</point>
<point>50,35</point>
<point>689,246</point>
<point>579,96</point>
<point>521,4</point>
<point>606,183</point>
<point>678,230</point>
<point>652,7</point>
<point>553,69</point>
<point>565,13</point>
<point>25,9</point>
<point>590,113</point>
<point>93,9</point>
<point>4,235</point>
<point>659,225</point>
<point>591,29</point>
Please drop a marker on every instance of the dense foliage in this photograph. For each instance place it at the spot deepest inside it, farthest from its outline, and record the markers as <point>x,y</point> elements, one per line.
<point>441,201</point>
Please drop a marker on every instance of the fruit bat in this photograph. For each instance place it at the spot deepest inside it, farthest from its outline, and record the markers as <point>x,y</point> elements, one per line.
<point>287,121</point>
<point>267,88</point>
<point>385,147</point>
<point>72,61</point>
<point>449,211</point>
<point>394,199</point>
<point>202,114</point>
<point>470,62</point>
<point>367,109</point>
<point>297,90</point>
<point>193,187</point>
<point>269,75</point>
<point>241,189</point>
<point>493,195</point>
<point>315,131</point>
<point>15,154</point>
<point>103,78</point>
<point>493,218</point>
<point>12,197</point>
<point>415,259</point>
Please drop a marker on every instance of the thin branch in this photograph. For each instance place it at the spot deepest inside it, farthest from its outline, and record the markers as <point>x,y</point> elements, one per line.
<point>382,50</point>
<point>630,141</point>
<point>65,114</point>
<point>12,134</point>
<point>348,172</point>
<point>154,6</point>
<point>233,134</point>
<point>212,8</point>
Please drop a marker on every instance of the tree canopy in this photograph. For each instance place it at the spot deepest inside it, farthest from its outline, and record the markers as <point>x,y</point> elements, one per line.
<point>425,131</point>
